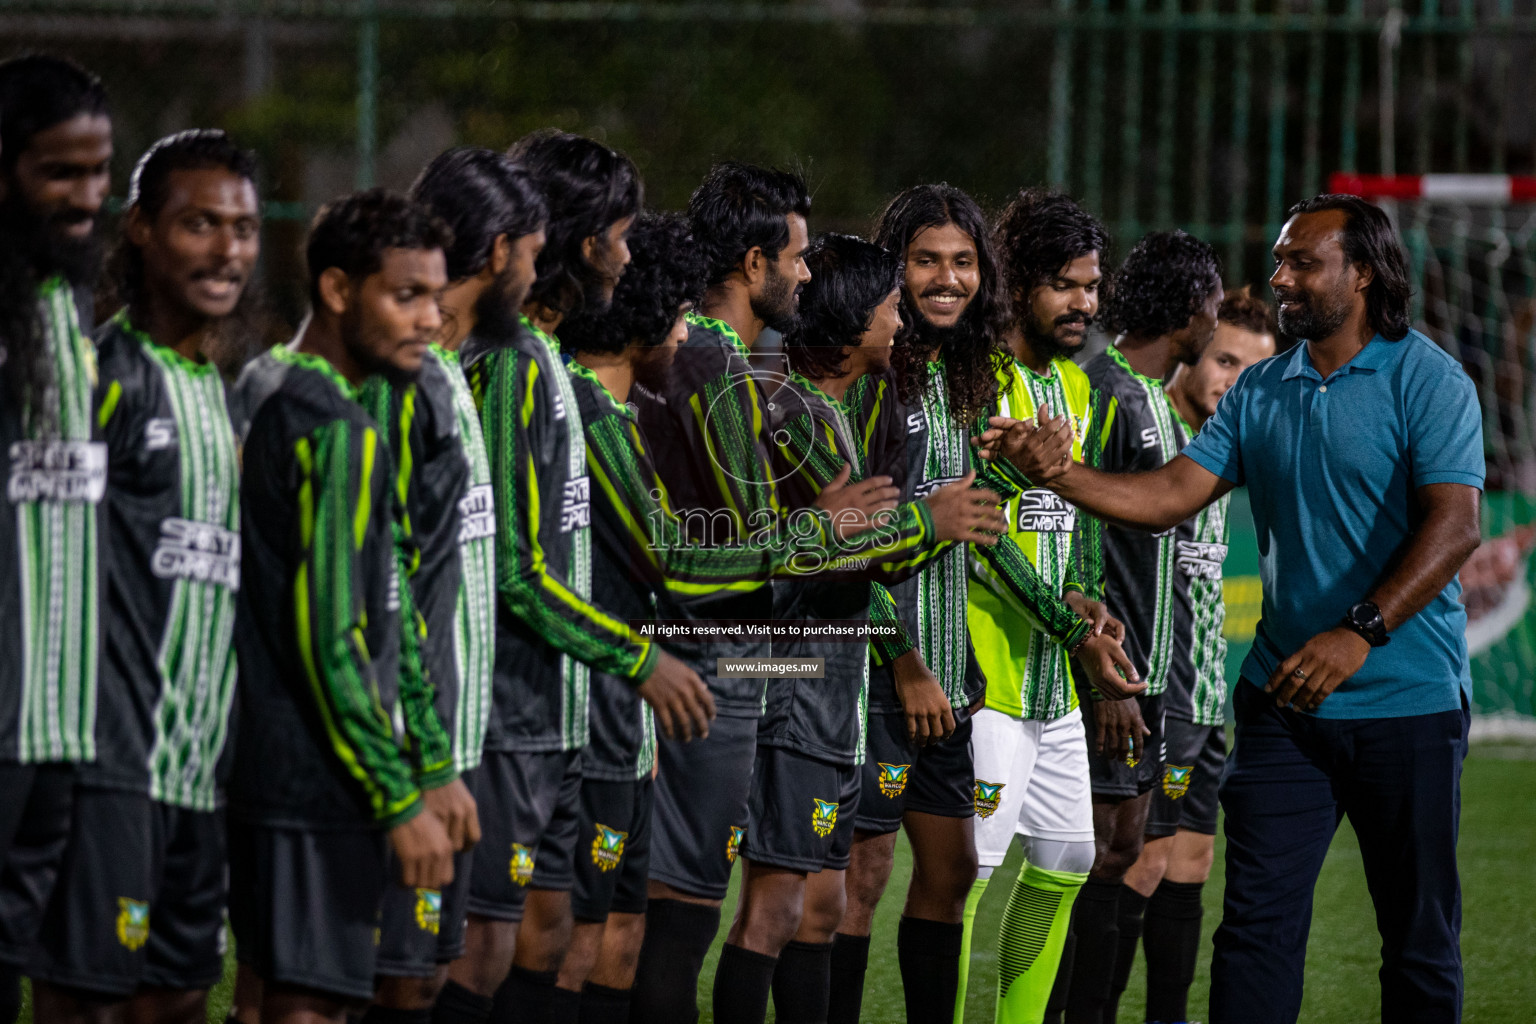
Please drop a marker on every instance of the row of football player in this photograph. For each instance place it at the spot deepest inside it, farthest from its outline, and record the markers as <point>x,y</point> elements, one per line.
<point>370,456</point>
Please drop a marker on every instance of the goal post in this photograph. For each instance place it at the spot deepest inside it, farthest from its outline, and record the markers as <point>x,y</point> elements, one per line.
<point>1471,244</point>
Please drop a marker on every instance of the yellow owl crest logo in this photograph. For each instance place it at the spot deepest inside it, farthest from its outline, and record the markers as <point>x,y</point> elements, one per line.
<point>132,922</point>
<point>608,848</point>
<point>733,844</point>
<point>429,910</point>
<point>988,795</point>
<point>522,864</point>
<point>823,817</point>
<point>1176,780</point>
<point>893,779</point>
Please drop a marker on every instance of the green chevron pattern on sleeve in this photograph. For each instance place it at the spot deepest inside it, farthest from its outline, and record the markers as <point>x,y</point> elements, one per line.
<point>340,490</point>
<point>1210,614</point>
<point>882,614</point>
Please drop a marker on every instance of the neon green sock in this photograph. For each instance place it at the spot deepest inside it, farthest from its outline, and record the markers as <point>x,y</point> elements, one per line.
<point>1030,940</point>
<point>977,888</point>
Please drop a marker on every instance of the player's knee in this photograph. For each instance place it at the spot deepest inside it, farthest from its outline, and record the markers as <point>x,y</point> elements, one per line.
<point>408,993</point>
<point>489,947</point>
<point>1074,858</point>
<point>767,926</point>
<point>869,869</point>
<point>823,916</point>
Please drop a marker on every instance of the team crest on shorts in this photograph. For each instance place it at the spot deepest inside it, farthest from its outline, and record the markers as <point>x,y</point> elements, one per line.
<point>824,817</point>
<point>608,848</point>
<point>521,864</point>
<point>988,794</point>
<point>429,910</point>
<point>1176,780</point>
<point>893,779</point>
<point>733,844</point>
<point>132,922</point>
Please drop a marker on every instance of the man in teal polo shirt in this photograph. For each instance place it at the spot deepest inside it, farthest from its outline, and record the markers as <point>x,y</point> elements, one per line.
<point>1362,453</point>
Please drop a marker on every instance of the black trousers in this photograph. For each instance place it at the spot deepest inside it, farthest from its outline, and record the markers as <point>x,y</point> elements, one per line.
<point>1290,780</point>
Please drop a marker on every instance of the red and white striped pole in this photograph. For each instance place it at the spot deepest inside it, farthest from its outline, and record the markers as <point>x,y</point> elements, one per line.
<point>1491,189</point>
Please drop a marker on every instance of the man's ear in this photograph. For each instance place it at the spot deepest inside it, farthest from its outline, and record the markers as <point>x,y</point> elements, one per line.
<point>754,266</point>
<point>501,255</point>
<point>136,226</point>
<point>1367,274</point>
<point>335,290</point>
<point>589,249</point>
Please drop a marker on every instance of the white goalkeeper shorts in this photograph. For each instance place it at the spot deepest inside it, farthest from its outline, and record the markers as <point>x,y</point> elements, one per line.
<point>1031,780</point>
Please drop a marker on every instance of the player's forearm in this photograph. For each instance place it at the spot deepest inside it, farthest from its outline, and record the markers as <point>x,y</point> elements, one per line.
<point>1432,554</point>
<point>1150,501</point>
<point>1014,571</point>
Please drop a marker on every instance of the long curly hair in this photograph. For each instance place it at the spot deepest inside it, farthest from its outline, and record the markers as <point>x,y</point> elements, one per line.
<point>1038,233</point>
<point>972,350</point>
<point>666,270</point>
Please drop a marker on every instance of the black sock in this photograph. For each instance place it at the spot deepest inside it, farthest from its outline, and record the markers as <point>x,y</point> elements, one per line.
<point>1173,946</point>
<point>1057,1003</point>
<point>603,1005</point>
<point>525,997</point>
<point>564,1006</point>
<point>802,983</point>
<point>677,935</point>
<point>850,959</point>
<point>458,1005</point>
<point>1098,905</point>
<point>929,954</point>
<point>1133,906</point>
<point>10,995</point>
<point>742,982</point>
<point>376,1014</point>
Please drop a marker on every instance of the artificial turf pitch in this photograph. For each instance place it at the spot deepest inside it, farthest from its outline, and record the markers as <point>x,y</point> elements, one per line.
<point>1498,874</point>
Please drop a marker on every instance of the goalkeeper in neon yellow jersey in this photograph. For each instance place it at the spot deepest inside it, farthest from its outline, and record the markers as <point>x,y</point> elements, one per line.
<point>1029,745</point>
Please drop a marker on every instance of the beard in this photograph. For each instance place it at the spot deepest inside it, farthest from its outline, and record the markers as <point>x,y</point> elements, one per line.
<point>1314,319</point>
<point>360,345</point>
<point>654,371</point>
<point>776,306</point>
<point>46,246</point>
<point>499,308</point>
<point>1049,344</point>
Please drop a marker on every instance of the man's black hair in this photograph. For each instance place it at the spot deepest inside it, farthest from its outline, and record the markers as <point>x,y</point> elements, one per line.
<point>665,271</point>
<point>354,232</point>
<point>589,188</point>
<point>149,188</point>
<point>480,194</point>
<point>972,350</point>
<point>1369,241</point>
<point>850,278</point>
<point>37,91</point>
<point>1166,279</point>
<point>1038,233</point>
<point>738,208</point>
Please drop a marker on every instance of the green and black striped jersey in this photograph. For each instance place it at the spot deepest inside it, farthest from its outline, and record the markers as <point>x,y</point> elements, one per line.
<point>1027,671</point>
<point>420,429</point>
<point>713,424</point>
<point>931,606</point>
<point>1135,429</point>
<point>474,633</point>
<point>1202,547</point>
<point>51,572</point>
<point>549,633</point>
<point>825,718</point>
<point>173,571</point>
<point>321,740</point>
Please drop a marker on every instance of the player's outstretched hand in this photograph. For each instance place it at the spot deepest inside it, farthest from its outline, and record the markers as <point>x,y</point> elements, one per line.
<point>1121,731</point>
<point>1109,670</point>
<point>683,705</point>
<point>424,851</point>
<point>967,514</point>
<point>1306,678</point>
<point>1041,448</point>
<point>455,808</point>
<point>1097,613</point>
<point>929,716</point>
<point>851,505</point>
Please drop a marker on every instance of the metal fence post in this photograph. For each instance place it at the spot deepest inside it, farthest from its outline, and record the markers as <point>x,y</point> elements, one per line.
<point>367,91</point>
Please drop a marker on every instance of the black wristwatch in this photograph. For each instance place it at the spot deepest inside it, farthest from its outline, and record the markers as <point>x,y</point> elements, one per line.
<point>1365,618</point>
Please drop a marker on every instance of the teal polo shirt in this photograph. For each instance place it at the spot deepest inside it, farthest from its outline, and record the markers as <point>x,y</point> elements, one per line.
<point>1332,466</point>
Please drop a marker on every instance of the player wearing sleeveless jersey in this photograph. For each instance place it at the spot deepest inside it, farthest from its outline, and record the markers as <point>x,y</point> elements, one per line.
<point>324,800</point>
<point>141,897</point>
<point>55,148</point>
<point>1168,877</point>
<point>1031,758</point>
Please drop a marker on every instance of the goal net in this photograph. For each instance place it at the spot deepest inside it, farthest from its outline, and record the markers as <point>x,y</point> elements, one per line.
<point>1471,243</point>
